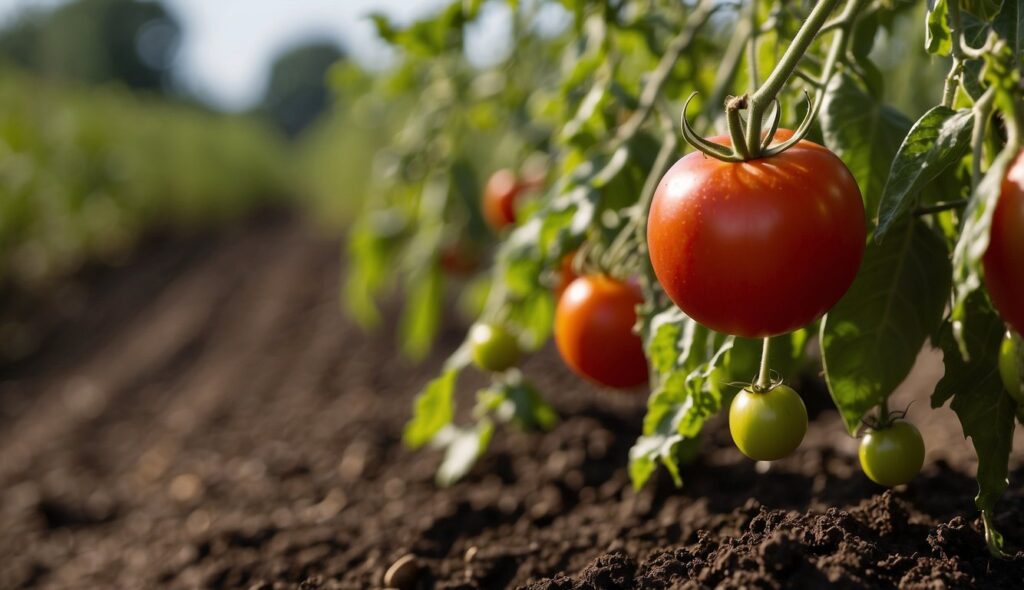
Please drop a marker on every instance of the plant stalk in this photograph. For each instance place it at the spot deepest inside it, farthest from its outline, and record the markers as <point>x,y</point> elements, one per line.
<point>764,381</point>
<point>940,207</point>
<point>763,97</point>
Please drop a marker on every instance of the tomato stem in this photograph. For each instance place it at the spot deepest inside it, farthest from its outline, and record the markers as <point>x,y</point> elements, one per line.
<point>883,415</point>
<point>762,98</point>
<point>940,207</point>
<point>764,382</point>
<point>752,46</point>
<point>982,112</point>
<point>952,82</point>
<point>993,538</point>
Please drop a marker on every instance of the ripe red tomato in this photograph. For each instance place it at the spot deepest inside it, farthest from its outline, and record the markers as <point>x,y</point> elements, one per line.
<point>499,204</point>
<point>760,247</point>
<point>594,331</point>
<point>566,275</point>
<point>1004,260</point>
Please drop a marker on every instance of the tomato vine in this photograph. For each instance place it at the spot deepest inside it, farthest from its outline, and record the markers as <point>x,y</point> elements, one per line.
<point>600,99</point>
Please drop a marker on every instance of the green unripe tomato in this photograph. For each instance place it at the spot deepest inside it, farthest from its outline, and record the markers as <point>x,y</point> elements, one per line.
<point>770,425</point>
<point>493,348</point>
<point>1009,370</point>
<point>893,455</point>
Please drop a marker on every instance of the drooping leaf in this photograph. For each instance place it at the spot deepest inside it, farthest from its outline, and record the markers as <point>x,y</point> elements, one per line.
<point>938,39</point>
<point>433,410</point>
<point>871,338</point>
<point>864,133</point>
<point>939,139</point>
<point>985,410</point>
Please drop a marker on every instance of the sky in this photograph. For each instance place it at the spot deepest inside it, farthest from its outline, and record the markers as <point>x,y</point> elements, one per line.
<point>229,44</point>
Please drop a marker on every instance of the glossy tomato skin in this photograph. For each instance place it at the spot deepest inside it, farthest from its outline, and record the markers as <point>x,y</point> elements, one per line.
<point>1009,371</point>
<point>1004,259</point>
<point>761,247</point>
<point>770,425</point>
<point>893,455</point>
<point>493,348</point>
<point>594,331</point>
<point>499,203</point>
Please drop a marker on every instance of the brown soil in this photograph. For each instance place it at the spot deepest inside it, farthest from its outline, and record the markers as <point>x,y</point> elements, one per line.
<point>206,417</point>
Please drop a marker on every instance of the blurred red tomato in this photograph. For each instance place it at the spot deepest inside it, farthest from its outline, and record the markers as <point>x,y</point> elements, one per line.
<point>1004,259</point>
<point>499,203</point>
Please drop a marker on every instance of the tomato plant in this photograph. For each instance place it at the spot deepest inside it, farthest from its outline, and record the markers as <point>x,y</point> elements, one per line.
<point>594,331</point>
<point>892,455</point>
<point>887,220</point>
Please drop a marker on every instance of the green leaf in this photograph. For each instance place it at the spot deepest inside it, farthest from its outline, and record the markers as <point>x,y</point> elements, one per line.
<point>433,410</point>
<point>463,446</point>
<point>1009,25</point>
<point>985,410</point>
<point>939,139</point>
<point>648,452</point>
<point>983,9</point>
<point>384,28</point>
<point>938,39</point>
<point>685,357</point>
<point>864,133</point>
<point>422,314</point>
<point>517,402</point>
<point>871,338</point>
<point>974,236</point>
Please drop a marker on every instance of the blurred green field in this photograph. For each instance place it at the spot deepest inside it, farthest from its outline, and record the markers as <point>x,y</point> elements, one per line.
<point>84,172</point>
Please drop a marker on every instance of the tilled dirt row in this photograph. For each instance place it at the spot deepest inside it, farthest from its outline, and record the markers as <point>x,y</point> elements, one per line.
<point>210,419</point>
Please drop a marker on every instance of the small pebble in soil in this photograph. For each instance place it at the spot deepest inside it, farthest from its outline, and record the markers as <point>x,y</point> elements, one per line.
<point>403,573</point>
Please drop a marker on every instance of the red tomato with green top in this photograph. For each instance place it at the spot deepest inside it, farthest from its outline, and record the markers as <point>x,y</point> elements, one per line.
<point>757,248</point>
